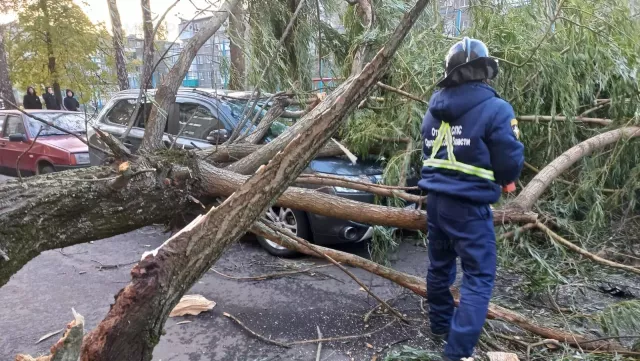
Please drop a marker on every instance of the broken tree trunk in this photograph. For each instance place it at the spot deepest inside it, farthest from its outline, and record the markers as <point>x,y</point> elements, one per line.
<point>88,207</point>
<point>68,346</point>
<point>532,192</point>
<point>63,209</point>
<point>134,323</point>
<point>418,286</point>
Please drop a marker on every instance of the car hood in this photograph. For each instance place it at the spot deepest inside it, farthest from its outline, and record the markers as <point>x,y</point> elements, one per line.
<point>344,167</point>
<point>65,142</point>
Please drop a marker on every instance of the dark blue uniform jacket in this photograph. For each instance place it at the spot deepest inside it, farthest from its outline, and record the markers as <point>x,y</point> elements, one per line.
<point>483,136</point>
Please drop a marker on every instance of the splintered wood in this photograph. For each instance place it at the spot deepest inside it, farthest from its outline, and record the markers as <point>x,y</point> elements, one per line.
<point>192,305</point>
<point>502,356</point>
<point>68,346</point>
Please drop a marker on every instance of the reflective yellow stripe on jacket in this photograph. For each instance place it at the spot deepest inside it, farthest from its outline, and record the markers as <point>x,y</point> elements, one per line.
<point>451,163</point>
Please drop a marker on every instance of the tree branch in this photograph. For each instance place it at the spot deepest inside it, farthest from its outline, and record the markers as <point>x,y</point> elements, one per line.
<point>584,252</point>
<point>349,273</point>
<point>166,93</point>
<point>579,119</point>
<point>532,192</point>
<point>418,286</point>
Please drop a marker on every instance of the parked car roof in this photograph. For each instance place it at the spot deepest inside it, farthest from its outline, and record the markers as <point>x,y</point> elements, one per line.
<point>37,111</point>
<point>219,93</point>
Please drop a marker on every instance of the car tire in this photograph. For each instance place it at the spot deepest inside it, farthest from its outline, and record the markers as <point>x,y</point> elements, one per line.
<point>46,169</point>
<point>294,221</point>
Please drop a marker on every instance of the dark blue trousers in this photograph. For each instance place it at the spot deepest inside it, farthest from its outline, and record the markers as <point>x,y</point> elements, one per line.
<point>458,228</point>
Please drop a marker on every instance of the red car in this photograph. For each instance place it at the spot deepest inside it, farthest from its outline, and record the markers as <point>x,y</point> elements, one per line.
<point>53,151</point>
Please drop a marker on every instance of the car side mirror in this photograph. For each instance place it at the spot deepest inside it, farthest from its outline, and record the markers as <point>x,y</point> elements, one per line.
<point>218,136</point>
<point>17,138</point>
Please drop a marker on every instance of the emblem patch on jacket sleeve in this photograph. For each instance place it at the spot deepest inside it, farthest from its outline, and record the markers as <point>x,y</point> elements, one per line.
<point>514,127</point>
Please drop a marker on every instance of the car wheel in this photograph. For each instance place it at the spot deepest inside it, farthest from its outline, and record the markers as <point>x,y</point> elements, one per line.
<point>46,169</point>
<point>294,221</point>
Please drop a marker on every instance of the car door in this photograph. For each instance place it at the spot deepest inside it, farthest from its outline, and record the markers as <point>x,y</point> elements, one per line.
<point>195,122</point>
<point>10,151</point>
<point>117,118</point>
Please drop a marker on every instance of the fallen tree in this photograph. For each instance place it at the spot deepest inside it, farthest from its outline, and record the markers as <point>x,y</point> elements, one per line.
<point>169,182</point>
<point>134,323</point>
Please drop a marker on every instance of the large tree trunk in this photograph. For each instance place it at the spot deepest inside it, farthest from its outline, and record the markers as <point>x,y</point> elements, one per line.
<point>221,182</point>
<point>166,94</point>
<point>236,35</point>
<point>118,45</point>
<point>6,88</point>
<point>63,209</point>
<point>134,323</point>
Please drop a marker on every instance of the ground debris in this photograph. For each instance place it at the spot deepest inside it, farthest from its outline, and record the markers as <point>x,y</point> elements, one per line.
<point>502,356</point>
<point>192,305</point>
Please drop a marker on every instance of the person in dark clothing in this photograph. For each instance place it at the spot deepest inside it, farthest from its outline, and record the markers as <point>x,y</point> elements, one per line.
<point>70,103</point>
<point>31,99</point>
<point>50,99</point>
<point>471,151</point>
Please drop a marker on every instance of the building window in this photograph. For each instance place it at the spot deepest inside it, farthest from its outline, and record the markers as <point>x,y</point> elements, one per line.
<point>201,73</point>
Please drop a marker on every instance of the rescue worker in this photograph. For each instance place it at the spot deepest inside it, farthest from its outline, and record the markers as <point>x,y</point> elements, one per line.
<point>471,150</point>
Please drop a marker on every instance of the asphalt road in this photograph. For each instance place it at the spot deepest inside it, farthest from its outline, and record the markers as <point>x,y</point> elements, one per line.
<point>38,300</point>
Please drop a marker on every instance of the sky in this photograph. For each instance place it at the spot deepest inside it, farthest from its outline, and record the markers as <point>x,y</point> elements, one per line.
<point>131,13</point>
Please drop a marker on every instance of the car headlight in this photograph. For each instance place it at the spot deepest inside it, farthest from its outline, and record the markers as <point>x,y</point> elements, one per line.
<point>81,158</point>
<point>349,190</point>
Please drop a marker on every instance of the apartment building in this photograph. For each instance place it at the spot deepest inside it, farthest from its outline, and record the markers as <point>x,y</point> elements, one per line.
<point>208,68</point>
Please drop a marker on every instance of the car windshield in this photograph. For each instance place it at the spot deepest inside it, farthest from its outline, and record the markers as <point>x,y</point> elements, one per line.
<point>74,123</point>
<point>238,106</point>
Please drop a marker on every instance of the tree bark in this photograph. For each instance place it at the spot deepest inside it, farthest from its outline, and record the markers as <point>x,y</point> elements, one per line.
<point>63,209</point>
<point>118,45</point>
<point>236,36</point>
<point>221,182</point>
<point>6,87</point>
<point>226,153</point>
<point>532,192</point>
<point>149,49</point>
<point>365,10</point>
<point>166,94</point>
<point>134,323</point>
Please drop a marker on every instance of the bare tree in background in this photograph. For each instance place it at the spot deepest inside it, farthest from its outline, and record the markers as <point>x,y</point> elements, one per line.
<point>236,35</point>
<point>6,87</point>
<point>118,45</point>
